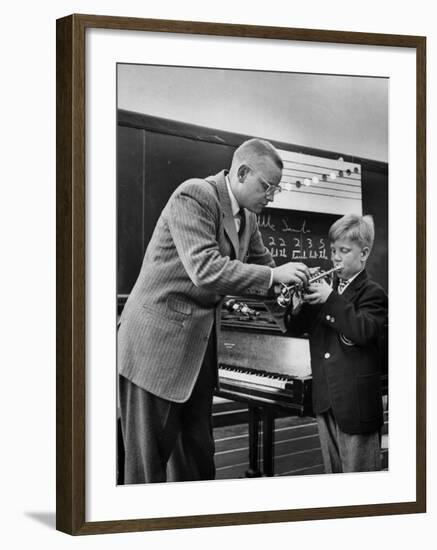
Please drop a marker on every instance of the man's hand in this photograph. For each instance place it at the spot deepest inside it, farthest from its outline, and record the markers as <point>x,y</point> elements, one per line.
<point>317,293</point>
<point>292,272</point>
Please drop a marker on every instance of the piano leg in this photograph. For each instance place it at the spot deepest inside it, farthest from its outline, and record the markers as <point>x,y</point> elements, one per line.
<point>254,422</point>
<point>268,441</point>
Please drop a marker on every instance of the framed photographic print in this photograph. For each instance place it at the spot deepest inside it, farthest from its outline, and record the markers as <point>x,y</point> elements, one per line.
<point>217,185</point>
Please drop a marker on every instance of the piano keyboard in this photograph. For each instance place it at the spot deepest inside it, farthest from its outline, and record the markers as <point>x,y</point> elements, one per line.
<point>261,378</point>
<point>259,387</point>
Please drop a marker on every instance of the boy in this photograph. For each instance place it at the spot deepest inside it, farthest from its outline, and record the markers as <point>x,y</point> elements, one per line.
<point>345,322</point>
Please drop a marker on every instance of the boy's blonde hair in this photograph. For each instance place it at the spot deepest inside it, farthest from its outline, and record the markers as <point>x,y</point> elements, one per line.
<point>359,229</point>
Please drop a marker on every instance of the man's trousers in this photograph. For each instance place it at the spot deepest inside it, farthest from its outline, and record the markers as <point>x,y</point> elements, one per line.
<point>168,441</point>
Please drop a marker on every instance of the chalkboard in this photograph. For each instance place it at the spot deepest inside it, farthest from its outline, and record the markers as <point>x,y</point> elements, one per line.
<point>297,236</point>
<point>155,155</point>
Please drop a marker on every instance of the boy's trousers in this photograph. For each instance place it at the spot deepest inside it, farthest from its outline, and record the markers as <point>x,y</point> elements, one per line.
<point>344,452</point>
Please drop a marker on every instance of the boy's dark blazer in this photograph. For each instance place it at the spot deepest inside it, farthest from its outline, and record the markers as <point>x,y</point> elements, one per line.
<point>345,334</point>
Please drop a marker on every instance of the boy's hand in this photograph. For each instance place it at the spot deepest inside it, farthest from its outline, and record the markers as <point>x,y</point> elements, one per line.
<point>317,293</point>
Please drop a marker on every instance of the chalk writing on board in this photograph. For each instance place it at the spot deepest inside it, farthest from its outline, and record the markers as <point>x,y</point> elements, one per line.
<point>302,228</point>
<point>301,248</point>
<point>288,242</point>
<point>306,254</point>
<point>265,222</point>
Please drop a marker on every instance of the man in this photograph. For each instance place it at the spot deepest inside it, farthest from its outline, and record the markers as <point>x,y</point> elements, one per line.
<point>166,342</point>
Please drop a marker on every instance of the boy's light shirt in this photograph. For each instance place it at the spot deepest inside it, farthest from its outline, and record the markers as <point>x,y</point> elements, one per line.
<point>235,210</point>
<point>349,281</point>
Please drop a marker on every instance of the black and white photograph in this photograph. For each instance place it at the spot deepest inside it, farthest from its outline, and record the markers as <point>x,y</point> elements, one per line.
<point>252,274</point>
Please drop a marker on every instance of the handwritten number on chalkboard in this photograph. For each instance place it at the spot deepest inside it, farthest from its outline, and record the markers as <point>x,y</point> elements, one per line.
<point>297,236</point>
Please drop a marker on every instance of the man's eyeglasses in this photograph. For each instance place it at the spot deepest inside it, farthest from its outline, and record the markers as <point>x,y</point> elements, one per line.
<point>270,190</point>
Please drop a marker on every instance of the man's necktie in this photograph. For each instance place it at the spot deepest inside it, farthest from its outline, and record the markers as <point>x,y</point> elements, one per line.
<point>239,216</point>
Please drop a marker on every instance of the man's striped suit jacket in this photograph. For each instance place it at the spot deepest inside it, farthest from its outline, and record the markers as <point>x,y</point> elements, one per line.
<point>193,259</point>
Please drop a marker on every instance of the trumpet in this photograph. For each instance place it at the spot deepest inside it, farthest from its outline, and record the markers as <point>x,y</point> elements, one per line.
<point>297,289</point>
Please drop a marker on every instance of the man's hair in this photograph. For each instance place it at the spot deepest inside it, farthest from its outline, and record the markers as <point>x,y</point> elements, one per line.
<point>359,229</point>
<point>252,150</point>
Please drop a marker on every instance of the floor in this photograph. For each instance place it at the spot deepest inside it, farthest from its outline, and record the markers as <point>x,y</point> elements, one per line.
<point>296,443</point>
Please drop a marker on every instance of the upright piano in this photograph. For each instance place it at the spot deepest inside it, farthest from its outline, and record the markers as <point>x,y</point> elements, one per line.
<point>264,368</point>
